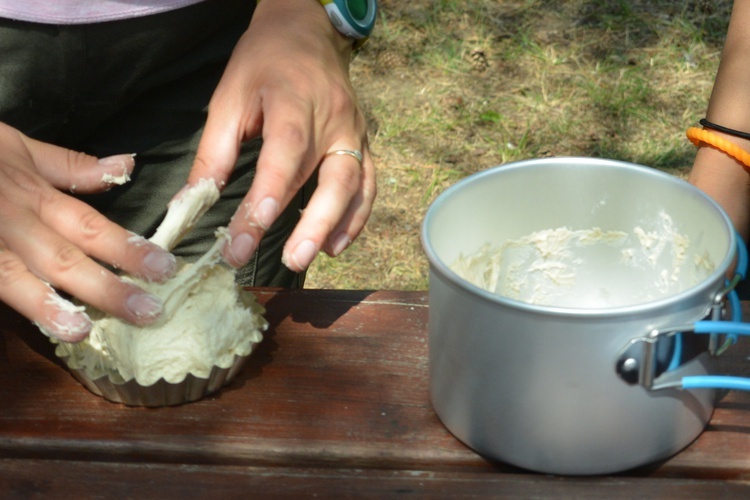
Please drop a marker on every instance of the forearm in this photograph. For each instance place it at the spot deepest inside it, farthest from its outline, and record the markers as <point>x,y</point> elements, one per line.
<point>730,98</point>
<point>726,181</point>
<point>719,175</point>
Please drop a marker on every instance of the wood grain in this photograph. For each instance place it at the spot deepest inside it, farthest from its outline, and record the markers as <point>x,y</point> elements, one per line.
<point>335,398</point>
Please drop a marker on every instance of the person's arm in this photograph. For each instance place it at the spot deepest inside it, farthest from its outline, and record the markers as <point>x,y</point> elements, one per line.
<point>287,81</point>
<point>49,239</point>
<point>717,174</point>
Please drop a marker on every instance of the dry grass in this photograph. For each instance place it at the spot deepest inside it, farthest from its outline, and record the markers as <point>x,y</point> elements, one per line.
<point>452,87</point>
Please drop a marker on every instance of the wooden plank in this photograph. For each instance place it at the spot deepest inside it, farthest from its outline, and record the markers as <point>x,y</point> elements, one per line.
<point>75,480</point>
<point>338,379</point>
<point>339,382</point>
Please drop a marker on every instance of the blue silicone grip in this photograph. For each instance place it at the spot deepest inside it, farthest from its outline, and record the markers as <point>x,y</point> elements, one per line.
<point>722,327</point>
<point>716,382</point>
<point>741,268</point>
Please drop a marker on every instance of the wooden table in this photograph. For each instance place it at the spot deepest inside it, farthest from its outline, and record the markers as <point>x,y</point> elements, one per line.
<point>333,404</point>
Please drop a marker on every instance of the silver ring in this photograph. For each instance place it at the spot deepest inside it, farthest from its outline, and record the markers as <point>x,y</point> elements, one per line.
<point>354,153</point>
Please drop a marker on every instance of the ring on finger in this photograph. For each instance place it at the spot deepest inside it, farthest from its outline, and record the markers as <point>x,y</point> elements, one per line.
<point>354,153</point>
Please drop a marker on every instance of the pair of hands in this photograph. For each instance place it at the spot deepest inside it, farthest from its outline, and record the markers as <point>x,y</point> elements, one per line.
<point>287,80</point>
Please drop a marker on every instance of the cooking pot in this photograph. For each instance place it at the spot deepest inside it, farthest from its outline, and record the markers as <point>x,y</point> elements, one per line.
<point>571,389</point>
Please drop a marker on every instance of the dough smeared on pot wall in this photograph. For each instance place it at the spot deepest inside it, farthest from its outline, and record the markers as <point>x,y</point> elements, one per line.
<point>588,268</point>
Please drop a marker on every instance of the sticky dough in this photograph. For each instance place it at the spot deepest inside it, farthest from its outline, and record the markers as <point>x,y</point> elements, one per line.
<point>588,268</point>
<point>207,319</point>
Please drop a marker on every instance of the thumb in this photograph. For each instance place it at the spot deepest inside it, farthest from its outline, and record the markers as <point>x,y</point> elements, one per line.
<point>76,171</point>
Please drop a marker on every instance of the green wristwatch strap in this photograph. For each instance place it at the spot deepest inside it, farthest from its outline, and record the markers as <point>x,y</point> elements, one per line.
<point>352,18</point>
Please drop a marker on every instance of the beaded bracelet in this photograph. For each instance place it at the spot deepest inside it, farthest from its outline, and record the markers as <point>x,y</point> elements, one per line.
<point>698,136</point>
<point>726,130</point>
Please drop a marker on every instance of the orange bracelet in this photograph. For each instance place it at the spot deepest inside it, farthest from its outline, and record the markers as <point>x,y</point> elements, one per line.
<point>698,136</point>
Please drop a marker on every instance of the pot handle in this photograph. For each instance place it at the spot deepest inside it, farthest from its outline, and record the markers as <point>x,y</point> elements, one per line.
<point>734,326</point>
<point>726,327</point>
<point>732,330</point>
<point>715,382</point>
<point>627,367</point>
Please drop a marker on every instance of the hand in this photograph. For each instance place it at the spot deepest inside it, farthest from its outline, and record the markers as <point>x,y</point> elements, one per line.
<point>287,80</point>
<point>48,239</point>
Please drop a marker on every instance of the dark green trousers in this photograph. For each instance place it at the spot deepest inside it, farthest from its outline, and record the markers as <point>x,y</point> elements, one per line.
<point>140,86</point>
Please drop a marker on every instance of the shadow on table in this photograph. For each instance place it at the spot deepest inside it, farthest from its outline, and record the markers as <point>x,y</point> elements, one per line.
<point>317,308</point>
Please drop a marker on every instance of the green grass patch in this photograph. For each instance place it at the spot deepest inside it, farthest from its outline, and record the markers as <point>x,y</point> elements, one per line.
<point>454,87</point>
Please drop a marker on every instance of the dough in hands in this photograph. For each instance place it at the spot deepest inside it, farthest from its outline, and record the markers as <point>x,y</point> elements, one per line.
<point>207,319</point>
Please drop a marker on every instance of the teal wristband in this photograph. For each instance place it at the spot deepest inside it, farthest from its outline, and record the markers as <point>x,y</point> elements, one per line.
<point>352,18</point>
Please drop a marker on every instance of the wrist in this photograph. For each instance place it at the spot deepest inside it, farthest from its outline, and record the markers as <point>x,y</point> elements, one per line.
<point>353,20</point>
<point>302,18</point>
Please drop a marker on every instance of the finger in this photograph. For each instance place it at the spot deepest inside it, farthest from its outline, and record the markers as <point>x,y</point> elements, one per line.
<point>358,213</point>
<point>97,236</point>
<point>66,267</point>
<point>38,302</point>
<point>29,205</point>
<point>223,134</point>
<point>216,155</point>
<point>331,206</point>
<point>285,163</point>
<point>218,150</point>
<point>79,172</point>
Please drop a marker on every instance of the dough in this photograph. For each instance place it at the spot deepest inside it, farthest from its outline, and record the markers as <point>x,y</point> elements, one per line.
<point>207,318</point>
<point>588,268</point>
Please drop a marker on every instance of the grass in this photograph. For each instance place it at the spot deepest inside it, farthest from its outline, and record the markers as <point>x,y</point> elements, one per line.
<point>454,87</point>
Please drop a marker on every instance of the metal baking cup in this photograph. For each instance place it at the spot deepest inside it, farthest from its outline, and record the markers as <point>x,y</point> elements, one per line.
<point>161,393</point>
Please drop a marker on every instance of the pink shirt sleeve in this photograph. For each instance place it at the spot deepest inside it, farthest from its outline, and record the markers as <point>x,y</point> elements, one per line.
<point>85,11</point>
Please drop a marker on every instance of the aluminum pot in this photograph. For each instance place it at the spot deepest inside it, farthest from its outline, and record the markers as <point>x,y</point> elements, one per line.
<point>571,390</point>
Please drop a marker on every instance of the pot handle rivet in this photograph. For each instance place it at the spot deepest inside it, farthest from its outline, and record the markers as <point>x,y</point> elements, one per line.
<point>628,370</point>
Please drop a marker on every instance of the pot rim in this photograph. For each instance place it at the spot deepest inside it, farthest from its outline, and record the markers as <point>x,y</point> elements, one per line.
<point>442,268</point>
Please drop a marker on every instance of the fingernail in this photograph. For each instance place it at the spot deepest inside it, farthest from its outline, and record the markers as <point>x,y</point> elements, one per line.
<point>125,161</point>
<point>69,326</point>
<point>266,211</point>
<point>161,264</point>
<point>303,255</point>
<point>144,305</point>
<point>340,243</point>
<point>242,248</point>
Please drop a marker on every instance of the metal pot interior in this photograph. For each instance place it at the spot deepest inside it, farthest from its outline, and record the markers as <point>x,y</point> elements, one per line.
<point>510,202</point>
